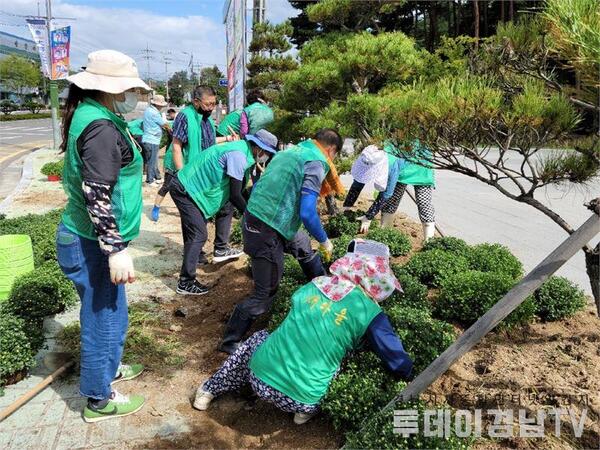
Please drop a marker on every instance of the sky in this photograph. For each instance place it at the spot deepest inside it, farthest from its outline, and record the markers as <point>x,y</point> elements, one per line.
<point>172,29</point>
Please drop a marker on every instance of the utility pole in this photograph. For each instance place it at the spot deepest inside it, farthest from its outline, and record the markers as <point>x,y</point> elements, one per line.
<point>167,62</point>
<point>258,13</point>
<point>146,56</point>
<point>52,83</point>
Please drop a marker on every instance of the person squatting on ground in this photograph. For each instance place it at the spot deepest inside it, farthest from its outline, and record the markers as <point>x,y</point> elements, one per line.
<point>384,168</point>
<point>153,125</point>
<point>284,199</point>
<point>103,182</point>
<point>329,316</point>
<point>210,186</point>
<point>169,173</point>
<point>193,131</point>
<point>256,116</point>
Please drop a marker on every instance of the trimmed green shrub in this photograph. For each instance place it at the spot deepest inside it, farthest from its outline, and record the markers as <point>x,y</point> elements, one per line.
<point>495,258</point>
<point>433,266</point>
<point>362,387</point>
<point>449,243</point>
<point>466,296</point>
<point>423,337</point>
<point>398,242</point>
<point>292,269</point>
<point>558,298</point>
<point>16,353</point>
<point>43,292</point>
<point>236,233</point>
<point>342,224</point>
<point>282,301</point>
<point>378,433</point>
<point>415,292</point>
<point>53,168</point>
<point>340,246</point>
<point>42,230</point>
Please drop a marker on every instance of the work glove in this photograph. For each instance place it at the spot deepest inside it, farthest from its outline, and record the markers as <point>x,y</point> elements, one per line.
<point>364,224</point>
<point>121,267</point>
<point>326,249</point>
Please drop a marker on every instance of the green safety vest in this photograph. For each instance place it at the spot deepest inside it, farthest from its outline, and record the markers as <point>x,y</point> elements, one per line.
<point>205,180</point>
<point>135,127</point>
<point>259,117</point>
<point>193,146</point>
<point>303,354</point>
<point>276,196</point>
<point>127,194</point>
<point>412,173</point>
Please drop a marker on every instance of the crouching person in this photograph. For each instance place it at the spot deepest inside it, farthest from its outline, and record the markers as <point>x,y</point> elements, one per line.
<point>331,315</point>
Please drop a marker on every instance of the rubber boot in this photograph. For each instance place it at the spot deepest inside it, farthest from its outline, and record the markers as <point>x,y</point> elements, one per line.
<point>428,230</point>
<point>313,268</point>
<point>237,326</point>
<point>387,220</point>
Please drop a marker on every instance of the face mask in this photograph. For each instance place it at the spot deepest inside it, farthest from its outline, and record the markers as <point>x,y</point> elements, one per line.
<point>263,159</point>
<point>128,105</point>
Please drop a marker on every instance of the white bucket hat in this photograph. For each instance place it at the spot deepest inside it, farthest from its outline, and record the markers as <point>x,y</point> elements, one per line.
<point>109,71</point>
<point>158,100</point>
<point>371,166</point>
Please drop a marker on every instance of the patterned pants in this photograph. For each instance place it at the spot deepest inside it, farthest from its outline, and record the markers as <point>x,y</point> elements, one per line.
<point>423,195</point>
<point>235,373</point>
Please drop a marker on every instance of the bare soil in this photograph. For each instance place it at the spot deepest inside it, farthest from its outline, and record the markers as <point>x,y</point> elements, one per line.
<point>555,358</point>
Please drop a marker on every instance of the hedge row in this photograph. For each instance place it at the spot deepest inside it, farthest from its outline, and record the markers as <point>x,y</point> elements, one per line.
<point>33,296</point>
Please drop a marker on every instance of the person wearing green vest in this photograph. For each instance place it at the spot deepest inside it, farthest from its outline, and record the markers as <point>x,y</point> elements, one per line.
<point>283,199</point>
<point>136,129</point>
<point>206,187</point>
<point>330,316</point>
<point>256,116</point>
<point>169,174</point>
<point>103,181</point>
<point>401,171</point>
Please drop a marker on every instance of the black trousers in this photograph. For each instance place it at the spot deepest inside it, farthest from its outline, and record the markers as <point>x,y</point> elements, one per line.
<point>164,189</point>
<point>194,230</point>
<point>266,248</point>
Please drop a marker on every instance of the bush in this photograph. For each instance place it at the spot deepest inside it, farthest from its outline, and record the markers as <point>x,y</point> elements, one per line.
<point>33,107</point>
<point>292,269</point>
<point>6,118</point>
<point>7,106</point>
<point>236,233</point>
<point>41,293</point>
<point>342,224</point>
<point>415,292</point>
<point>42,230</point>
<point>433,266</point>
<point>495,258</point>
<point>340,246</point>
<point>16,353</point>
<point>282,302</point>
<point>423,337</point>
<point>558,298</point>
<point>449,244</point>
<point>53,168</point>
<point>465,297</point>
<point>361,388</point>
<point>398,242</point>
<point>378,433</point>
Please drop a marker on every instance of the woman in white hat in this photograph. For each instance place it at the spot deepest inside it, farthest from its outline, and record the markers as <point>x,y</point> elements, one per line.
<point>103,181</point>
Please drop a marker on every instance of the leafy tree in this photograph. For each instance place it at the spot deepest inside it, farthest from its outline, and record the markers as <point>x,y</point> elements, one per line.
<point>210,76</point>
<point>19,74</point>
<point>179,85</point>
<point>269,62</point>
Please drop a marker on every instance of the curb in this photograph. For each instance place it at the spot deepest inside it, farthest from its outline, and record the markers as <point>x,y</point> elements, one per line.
<point>26,177</point>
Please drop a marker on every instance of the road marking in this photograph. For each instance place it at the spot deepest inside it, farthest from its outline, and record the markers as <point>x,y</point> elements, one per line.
<point>12,128</point>
<point>10,137</point>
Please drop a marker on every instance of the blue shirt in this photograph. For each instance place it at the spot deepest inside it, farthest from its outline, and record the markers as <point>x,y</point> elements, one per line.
<point>180,131</point>
<point>153,122</point>
<point>234,164</point>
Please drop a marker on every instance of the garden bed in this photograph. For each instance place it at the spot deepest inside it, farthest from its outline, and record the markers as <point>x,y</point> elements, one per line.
<point>554,357</point>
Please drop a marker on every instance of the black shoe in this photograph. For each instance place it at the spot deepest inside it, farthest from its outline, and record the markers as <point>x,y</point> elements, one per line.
<point>202,259</point>
<point>191,288</point>
<point>237,326</point>
<point>226,254</point>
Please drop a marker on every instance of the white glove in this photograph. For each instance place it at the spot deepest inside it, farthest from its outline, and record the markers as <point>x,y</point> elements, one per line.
<point>121,267</point>
<point>326,249</point>
<point>364,224</point>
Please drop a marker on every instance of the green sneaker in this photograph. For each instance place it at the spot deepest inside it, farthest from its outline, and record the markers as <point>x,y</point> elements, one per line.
<point>128,372</point>
<point>118,406</point>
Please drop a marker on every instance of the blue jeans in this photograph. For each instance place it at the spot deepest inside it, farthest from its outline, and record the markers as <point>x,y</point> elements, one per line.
<point>103,316</point>
<point>152,172</point>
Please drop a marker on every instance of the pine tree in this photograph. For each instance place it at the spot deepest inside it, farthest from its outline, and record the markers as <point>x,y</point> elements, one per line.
<point>269,61</point>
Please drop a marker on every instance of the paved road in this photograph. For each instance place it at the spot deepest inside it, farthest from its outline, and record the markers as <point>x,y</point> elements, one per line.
<point>25,131</point>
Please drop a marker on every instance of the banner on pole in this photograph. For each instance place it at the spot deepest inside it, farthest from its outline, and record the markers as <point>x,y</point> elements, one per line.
<point>61,42</point>
<point>40,37</point>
